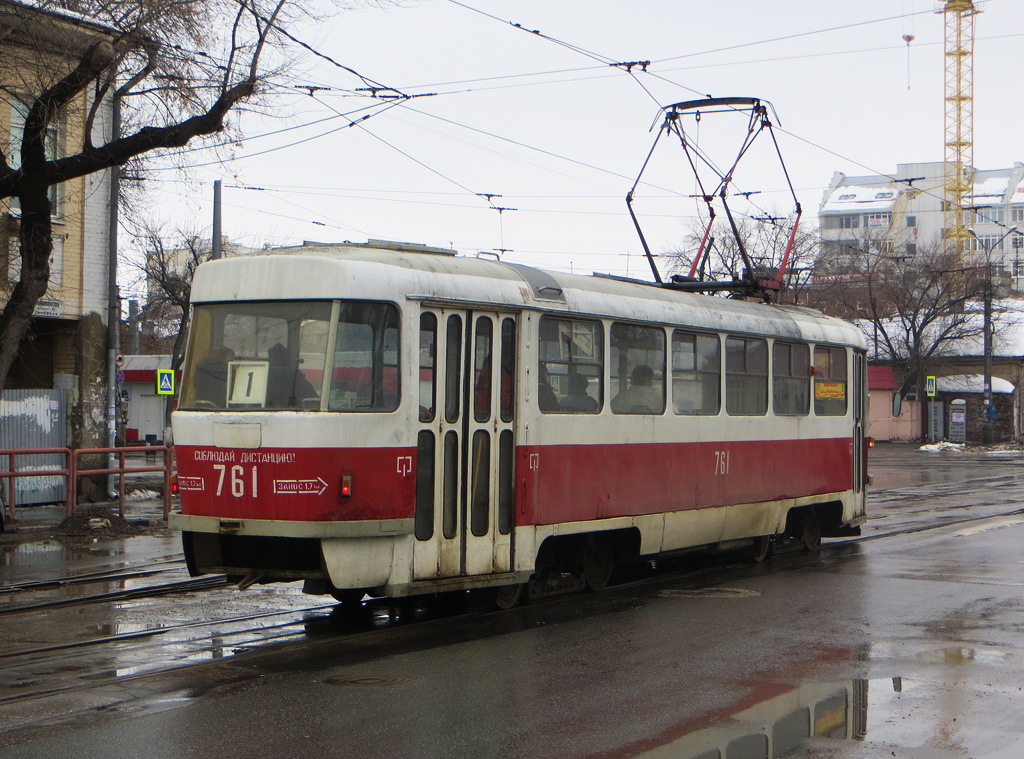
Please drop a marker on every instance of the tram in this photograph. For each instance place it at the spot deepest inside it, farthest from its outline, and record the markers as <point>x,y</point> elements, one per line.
<point>394,419</point>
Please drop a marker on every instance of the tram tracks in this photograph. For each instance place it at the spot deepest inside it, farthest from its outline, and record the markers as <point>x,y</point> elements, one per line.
<point>106,575</point>
<point>145,591</point>
<point>61,669</point>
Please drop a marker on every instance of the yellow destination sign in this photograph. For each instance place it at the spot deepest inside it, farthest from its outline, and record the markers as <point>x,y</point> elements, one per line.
<point>825,390</point>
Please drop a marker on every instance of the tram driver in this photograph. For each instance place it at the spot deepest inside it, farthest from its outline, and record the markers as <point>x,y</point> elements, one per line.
<point>287,387</point>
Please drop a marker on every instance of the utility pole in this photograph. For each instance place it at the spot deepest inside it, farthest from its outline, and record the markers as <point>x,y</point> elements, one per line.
<point>215,251</point>
<point>113,296</point>
<point>989,410</point>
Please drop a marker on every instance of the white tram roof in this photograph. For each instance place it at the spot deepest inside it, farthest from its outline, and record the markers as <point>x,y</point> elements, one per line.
<point>402,271</point>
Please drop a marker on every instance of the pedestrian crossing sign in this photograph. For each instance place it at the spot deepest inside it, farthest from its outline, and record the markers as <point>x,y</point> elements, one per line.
<point>164,382</point>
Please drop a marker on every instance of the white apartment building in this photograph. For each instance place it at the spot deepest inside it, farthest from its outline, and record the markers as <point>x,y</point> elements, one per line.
<point>898,213</point>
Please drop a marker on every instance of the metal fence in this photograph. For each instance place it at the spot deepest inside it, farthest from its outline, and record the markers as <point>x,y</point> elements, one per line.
<point>18,467</point>
<point>37,420</point>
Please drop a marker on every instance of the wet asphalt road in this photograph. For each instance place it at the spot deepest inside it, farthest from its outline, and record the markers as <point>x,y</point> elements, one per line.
<point>908,643</point>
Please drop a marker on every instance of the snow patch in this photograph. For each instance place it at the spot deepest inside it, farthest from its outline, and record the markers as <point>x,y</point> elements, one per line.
<point>943,446</point>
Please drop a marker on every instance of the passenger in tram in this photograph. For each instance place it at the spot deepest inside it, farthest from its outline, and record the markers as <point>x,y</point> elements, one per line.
<point>546,398</point>
<point>577,399</point>
<point>287,387</point>
<point>641,397</point>
<point>211,380</point>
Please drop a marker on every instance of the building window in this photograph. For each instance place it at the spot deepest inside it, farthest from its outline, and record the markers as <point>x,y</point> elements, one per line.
<point>883,195</point>
<point>992,215</point>
<point>911,221</point>
<point>878,219</point>
<point>1016,213</point>
<point>849,222</point>
<point>19,112</point>
<point>848,196</point>
<point>987,243</point>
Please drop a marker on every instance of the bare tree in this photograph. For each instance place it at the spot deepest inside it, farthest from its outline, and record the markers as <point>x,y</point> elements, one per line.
<point>764,239</point>
<point>913,308</point>
<point>165,72</point>
<point>168,267</point>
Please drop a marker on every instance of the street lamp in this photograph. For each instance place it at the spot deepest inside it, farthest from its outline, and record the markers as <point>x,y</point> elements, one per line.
<point>987,432</point>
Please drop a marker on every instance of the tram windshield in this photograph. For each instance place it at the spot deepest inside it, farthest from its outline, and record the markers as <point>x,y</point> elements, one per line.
<point>292,355</point>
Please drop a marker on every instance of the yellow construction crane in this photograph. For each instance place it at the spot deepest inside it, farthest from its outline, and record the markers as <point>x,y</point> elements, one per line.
<point>959,160</point>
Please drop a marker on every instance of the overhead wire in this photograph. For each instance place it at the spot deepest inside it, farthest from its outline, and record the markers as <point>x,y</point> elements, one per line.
<point>604,60</point>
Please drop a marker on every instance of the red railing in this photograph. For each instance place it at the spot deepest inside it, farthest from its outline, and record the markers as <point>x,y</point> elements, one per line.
<point>165,466</point>
<point>72,471</point>
<point>12,472</point>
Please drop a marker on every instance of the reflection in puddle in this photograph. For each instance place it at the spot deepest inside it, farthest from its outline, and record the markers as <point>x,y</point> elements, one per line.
<point>41,553</point>
<point>961,655</point>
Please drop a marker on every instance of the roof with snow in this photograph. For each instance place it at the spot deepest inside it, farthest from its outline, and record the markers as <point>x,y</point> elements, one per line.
<point>971,383</point>
<point>860,199</point>
<point>990,192</point>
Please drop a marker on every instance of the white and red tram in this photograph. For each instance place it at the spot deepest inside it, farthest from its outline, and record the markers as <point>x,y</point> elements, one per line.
<point>338,422</point>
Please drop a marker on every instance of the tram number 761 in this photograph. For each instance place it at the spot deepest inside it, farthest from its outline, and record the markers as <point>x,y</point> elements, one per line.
<point>721,462</point>
<point>237,479</point>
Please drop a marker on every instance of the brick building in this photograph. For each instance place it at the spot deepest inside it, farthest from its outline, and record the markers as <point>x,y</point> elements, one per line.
<point>65,347</point>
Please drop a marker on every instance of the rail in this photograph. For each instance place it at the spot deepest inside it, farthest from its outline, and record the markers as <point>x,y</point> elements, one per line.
<point>71,471</point>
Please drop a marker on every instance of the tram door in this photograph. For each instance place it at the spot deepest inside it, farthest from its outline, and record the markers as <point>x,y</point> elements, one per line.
<point>465,452</point>
<point>859,394</point>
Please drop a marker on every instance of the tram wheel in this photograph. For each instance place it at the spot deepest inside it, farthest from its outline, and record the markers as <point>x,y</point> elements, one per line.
<point>810,531</point>
<point>507,596</point>
<point>348,596</point>
<point>763,548</point>
<point>598,562</point>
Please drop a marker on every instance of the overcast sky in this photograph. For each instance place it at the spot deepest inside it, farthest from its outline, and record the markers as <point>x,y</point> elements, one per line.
<point>544,122</point>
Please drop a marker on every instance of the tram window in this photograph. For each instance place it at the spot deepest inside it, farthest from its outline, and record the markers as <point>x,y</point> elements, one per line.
<point>424,523</point>
<point>508,368</point>
<point>829,381</point>
<point>791,378</point>
<point>746,376</point>
<point>480,484</point>
<point>696,374</point>
<point>453,369</point>
<point>506,484</point>
<point>637,369</point>
<point>483,357</point>
<point>570,377</point>
<point>365,371</point>
<point>428,366</point>
<point>450,502</point>
<point>253,356</point>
